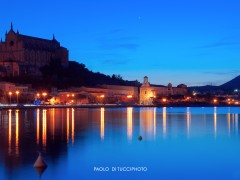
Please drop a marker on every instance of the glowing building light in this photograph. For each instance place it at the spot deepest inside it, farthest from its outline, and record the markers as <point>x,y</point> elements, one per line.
<point>129,96</point>
<point>10,95</point>
<point>164,100</point>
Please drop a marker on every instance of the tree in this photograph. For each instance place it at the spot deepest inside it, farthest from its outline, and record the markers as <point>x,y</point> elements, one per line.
<point>117,77</point>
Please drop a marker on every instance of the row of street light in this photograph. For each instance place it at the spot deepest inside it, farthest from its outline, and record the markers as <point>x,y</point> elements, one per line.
<point>11,93</point>
<point>44,95</point>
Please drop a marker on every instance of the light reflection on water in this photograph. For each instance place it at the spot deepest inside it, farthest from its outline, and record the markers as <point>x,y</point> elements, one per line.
<point>129,122</point>
<point>174,139</point>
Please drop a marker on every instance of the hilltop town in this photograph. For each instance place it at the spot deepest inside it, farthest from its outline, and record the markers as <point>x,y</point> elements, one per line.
<point>38,71</point>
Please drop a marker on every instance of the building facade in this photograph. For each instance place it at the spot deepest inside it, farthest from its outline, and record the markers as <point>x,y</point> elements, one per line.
<point>24,55</point>
<point>149,92</point>
<point>103,94</point>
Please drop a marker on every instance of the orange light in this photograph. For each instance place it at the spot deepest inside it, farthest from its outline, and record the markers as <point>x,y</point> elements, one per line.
<point>44,94</point>
<point>129,96</point>
<point>228,99</point>
<point>73,95</point>
<point>102,96</point>
<point>38,94</point>
<point>215,100</point>
<point>72,100</point>
<point>164,100</point>
<point>17,92</point>
<point>67,95</point>
<point>154,96</point>
<point>10,93</point>
<point>236,102</point>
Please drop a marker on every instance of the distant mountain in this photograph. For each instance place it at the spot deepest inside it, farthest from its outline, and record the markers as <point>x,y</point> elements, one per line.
<point>233,84</point>
<point>207,88</point>
<point>226,87</point>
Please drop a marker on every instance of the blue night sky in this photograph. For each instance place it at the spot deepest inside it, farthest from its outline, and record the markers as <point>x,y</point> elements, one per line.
<point>195,42</point>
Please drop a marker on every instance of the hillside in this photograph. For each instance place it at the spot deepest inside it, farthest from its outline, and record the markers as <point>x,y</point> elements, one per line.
<point>75,75</point>
<point>232,84</point>
<point>227,87</point>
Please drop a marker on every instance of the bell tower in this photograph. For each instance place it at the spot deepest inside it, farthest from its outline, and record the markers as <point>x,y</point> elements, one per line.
<point>145,82</point>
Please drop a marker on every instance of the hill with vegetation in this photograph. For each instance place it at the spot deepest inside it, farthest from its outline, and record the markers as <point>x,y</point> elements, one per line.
<point>75,75</point>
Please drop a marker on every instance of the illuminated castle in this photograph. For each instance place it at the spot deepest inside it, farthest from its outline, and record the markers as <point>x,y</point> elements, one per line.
<point>149,92</point>
<point>24,55</point>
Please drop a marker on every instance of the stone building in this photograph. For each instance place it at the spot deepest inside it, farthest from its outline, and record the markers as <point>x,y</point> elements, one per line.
<point>24,55</point>
<point>149,92</point>
<point>112,94</point>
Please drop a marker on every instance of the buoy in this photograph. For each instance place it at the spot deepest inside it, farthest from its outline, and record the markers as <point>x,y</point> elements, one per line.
<point>40,166</point>
<point>40,163</point>
<point>139,138</point>
<point>40,170</point>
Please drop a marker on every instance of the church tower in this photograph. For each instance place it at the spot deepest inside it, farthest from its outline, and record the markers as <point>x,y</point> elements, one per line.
<point>145,82</point>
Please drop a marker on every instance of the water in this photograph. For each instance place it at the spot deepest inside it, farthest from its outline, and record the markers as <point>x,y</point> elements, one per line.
<point>178,143</point>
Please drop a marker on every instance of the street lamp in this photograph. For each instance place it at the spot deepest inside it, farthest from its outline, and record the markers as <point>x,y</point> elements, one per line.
<point>164,100</point>
<point>17,92</point>
<point>44,95</point>
<point>38,95</point>
<point>10,95</point>
<point>102,97</point>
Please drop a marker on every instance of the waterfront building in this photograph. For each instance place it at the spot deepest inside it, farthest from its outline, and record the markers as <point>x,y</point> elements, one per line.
<point>7,87</point>
<point>100,94</point>
<point>149,92</point>
<point>24,55</point>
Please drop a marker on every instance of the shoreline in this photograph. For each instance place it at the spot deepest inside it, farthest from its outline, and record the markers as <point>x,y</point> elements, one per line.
<point>111,106</point>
